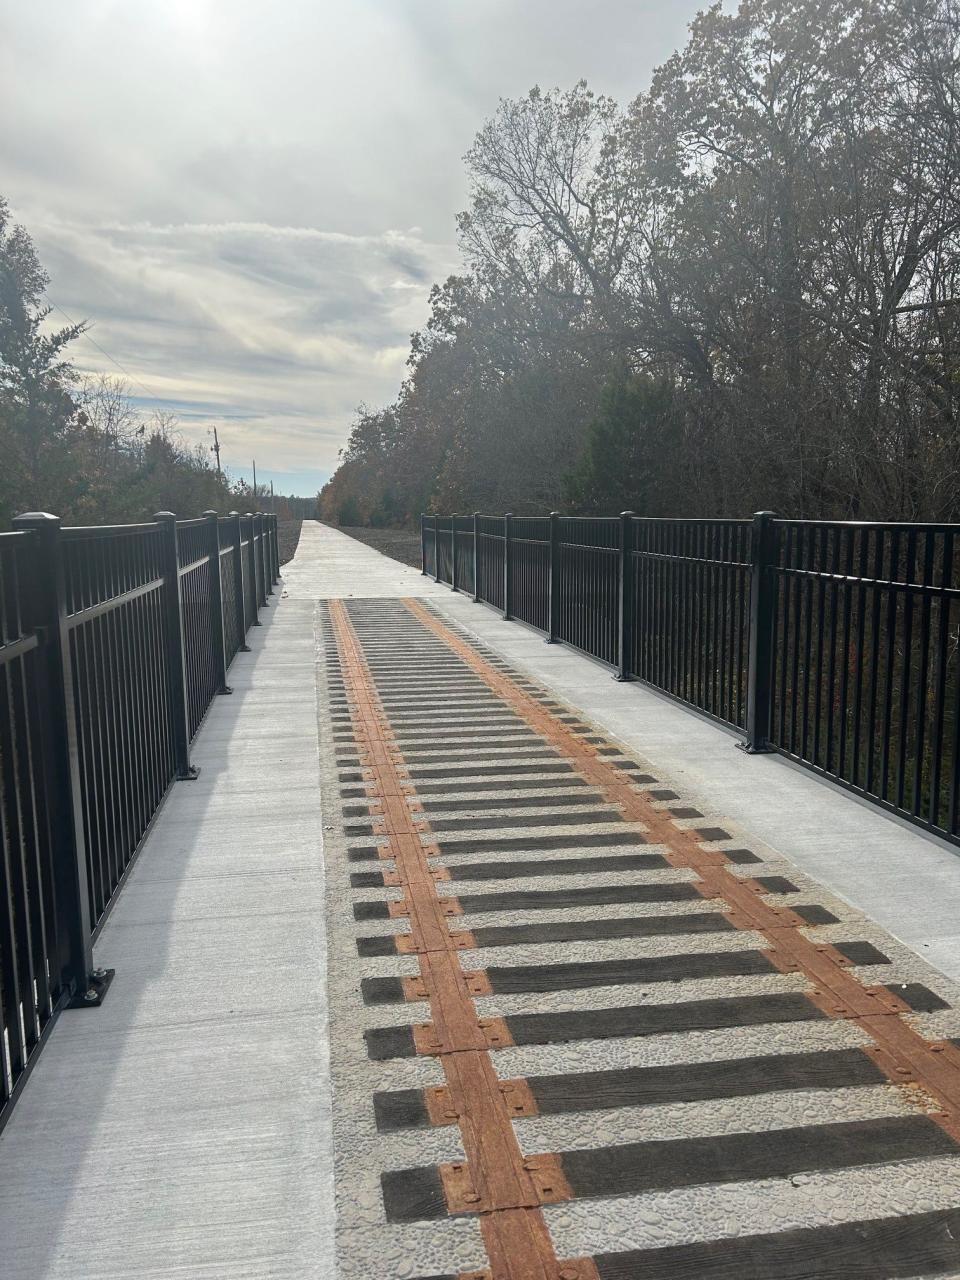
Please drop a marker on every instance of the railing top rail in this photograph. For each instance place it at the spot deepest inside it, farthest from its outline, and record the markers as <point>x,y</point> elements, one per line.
<point>193,523</point>
<point>904,526</point>
<point>721,521</point>
<point>80,531</point>
<point>704,521</point>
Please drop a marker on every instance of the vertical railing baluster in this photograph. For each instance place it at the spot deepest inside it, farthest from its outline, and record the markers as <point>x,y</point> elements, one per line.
<point>453,553</point>
<point>436,550</point>
<point>176,658</point>
<point>423,544</point>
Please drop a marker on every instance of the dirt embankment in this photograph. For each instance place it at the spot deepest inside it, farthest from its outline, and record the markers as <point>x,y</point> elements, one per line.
<point>288,535</point>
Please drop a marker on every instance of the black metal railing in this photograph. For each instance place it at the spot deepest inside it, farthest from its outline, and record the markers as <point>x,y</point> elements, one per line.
<point>248,571</point>
<point>491,560</point>
<point>836,644</point>
<point>690,590</point>
<point>530,570</point>
<point>113,643</point>
<point>35,951</point>
<point>864,681</point>
<point>462,535</point>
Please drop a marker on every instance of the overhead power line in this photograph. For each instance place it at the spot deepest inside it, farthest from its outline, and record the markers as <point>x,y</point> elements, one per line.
<point>126,372</point>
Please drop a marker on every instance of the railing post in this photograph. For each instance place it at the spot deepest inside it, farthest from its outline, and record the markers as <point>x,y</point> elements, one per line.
<point>763,552</point>
<point>257,526</point>
<point>626,595</point>
<point>269,519</point>
<point>251,583</point>
<point>507,566</point>
<point>216,602</point>
<point>173,628</point>
<point>275,534</point>
<point>436,551</point>
<point>238,583</point>
<point>423,544</point>
<point>553,635</point>
<point>46,613</point>
<point>262,558</point>
<point>453,553</point>
<point>265,518</point>
<point>476,557</point>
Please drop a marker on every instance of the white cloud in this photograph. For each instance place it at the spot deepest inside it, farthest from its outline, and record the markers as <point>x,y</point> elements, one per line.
<point>250,202</point>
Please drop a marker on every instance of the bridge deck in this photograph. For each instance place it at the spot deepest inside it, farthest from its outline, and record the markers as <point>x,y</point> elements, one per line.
<point>718,1060</point>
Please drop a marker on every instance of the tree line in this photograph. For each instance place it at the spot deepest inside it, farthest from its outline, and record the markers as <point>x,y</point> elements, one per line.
<point>737,292</point>
<point>80,446</point>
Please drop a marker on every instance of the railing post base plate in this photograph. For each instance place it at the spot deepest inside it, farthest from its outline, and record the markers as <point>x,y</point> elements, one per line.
<point>189,775</point>
<point>98,983</point>
<point>749,749</point>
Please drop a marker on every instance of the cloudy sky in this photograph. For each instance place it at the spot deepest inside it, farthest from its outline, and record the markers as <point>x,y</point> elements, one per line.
<point>249,200</point>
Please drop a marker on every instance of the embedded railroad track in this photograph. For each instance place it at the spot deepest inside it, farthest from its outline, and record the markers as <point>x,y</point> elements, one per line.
<point>578,1029</point>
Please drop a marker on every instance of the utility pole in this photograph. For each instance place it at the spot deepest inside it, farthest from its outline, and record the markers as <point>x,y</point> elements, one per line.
<point>254,482</point>
<point>215,449</point>
<point>273,505</point>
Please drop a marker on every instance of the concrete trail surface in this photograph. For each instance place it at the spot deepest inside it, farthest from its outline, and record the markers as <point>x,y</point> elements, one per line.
<point>460,960</point>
